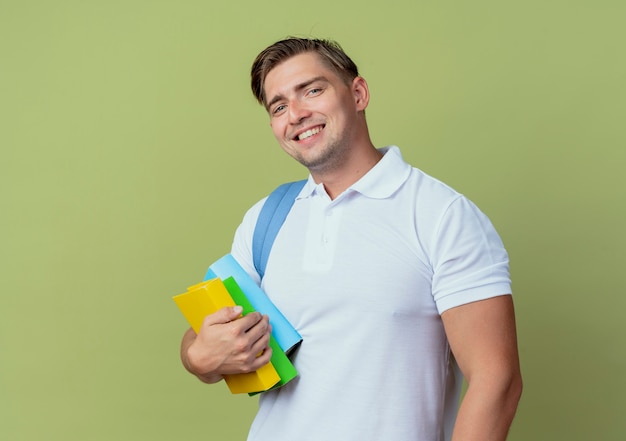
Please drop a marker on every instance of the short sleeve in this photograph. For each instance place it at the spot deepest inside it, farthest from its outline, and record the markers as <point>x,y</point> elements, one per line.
<point>469,260</point>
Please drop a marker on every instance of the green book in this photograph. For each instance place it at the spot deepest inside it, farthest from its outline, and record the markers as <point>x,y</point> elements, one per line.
<point>281,362</point>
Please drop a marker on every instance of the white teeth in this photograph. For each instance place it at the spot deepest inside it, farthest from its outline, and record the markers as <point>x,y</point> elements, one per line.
<point>308,133</point>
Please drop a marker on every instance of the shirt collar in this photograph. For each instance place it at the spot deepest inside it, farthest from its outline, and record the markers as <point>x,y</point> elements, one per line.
<point>378,183</point>
<point>386,176</point>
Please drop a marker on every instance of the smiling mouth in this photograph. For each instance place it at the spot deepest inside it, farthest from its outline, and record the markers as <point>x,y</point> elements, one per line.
<point>307,134</point>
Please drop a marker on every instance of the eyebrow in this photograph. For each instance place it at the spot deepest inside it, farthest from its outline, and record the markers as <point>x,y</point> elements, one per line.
<point>297,88</point>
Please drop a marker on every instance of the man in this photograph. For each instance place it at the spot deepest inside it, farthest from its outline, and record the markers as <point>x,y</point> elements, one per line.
<point>392,278</point>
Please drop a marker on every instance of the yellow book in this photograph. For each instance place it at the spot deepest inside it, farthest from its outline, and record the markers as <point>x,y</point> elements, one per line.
<point>206,298</point>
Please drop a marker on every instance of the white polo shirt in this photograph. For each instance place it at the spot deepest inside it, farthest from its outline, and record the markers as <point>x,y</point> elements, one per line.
<point>364,279</point>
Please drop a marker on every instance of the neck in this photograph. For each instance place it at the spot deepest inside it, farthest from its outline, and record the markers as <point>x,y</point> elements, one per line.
<point>336,181</point>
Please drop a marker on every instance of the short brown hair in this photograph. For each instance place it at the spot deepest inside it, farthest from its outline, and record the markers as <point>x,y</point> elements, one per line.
<point>330,52</point>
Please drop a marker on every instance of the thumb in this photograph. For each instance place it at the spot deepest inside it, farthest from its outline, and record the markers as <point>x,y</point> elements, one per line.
<point>224,315</point>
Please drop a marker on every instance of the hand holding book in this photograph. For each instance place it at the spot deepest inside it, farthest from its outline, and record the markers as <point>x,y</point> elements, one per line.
<point>227,284</point>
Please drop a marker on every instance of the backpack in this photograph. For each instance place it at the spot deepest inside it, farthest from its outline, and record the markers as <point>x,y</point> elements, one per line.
<point>271,218</point>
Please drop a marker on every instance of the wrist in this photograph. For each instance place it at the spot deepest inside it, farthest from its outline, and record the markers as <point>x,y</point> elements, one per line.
<point>199,366</point>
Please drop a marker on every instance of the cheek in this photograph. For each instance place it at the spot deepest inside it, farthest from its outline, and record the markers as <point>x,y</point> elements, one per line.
<point>275,129</point>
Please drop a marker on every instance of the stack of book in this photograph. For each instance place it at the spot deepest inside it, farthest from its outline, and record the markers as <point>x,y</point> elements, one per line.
<point>227,284</point>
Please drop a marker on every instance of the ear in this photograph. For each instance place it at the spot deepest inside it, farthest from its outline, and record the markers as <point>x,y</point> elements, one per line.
<point>361,93</point>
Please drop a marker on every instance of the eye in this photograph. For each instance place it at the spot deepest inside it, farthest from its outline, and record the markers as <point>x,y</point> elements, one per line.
<point>276,110</point>
<point>315,91</point>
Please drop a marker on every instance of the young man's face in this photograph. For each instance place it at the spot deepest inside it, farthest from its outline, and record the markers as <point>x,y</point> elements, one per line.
<point>313,112</point>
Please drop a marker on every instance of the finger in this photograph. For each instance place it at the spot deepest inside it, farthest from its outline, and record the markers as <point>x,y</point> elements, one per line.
<point>249,364</point>
<point>247,322</point>
<point>260,329</point>
<point>250,343</point>
<point>262,359</point>
<point>261,345</point>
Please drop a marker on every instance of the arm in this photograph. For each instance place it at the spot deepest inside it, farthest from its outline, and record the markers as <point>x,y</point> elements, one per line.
<point>226,344</point>
<point>483,340</point>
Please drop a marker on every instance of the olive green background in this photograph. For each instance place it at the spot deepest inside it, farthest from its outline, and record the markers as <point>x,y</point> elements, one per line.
<point>131,147</point>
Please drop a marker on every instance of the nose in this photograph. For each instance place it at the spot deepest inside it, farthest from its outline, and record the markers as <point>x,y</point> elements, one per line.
<point>297,112</point>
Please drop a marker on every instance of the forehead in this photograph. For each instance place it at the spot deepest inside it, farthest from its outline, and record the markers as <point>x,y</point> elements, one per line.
<point>294,71</point>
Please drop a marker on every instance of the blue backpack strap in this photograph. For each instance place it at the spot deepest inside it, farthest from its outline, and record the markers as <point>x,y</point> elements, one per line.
<point>271,218</point>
